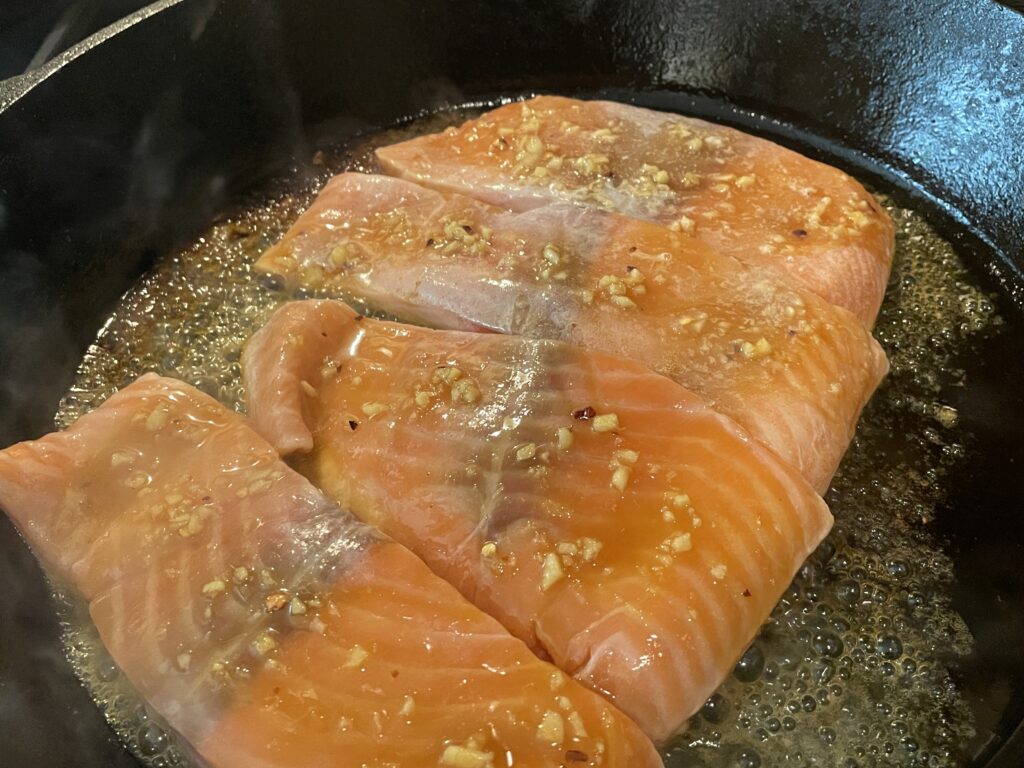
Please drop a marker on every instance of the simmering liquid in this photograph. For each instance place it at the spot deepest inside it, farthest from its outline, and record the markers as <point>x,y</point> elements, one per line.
<point>857,664</point>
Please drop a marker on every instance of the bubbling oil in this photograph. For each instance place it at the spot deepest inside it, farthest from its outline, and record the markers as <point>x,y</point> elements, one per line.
<point>856,666</point>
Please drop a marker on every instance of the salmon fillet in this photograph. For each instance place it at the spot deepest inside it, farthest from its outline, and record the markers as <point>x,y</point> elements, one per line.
<point>599,511</point>
<point>267,626</point>
<point>744,196</point>
<point>792,369</point>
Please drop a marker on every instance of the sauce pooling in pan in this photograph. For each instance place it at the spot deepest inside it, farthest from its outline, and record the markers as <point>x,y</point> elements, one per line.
<point>858,661</point>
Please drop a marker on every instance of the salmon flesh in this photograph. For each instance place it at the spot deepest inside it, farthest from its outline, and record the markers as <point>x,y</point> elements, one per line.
<point>601,512</point>
<point>744,196</point>
<point>792,369</point>
<point>267,626</point>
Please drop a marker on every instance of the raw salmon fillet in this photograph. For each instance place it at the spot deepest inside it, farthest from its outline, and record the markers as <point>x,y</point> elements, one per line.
<point>599,511</point>
<point>792,369</point>
<point>268,627</point>
<point>745,196</point>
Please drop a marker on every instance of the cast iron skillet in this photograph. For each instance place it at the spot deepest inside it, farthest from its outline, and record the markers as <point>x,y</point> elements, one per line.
<point>131,144</point>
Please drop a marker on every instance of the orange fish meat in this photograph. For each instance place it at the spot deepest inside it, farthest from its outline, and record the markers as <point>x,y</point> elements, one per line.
<point>268,627</point>
<point>744,196</point>
<point>792,369</point>
<point>599,511</point>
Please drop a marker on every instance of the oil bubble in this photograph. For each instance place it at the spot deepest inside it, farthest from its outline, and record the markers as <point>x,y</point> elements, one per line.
<point>715,709</point>
<point>827,644</point>
<point>889,647</point>
<point>751,664</point>
<point>152,739</point>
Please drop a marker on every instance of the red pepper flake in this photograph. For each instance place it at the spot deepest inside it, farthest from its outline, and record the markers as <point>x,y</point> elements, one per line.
<point>430,241</point>
<point>630,268</point>
<point>746,593</point>
<point>584,414</point>
<point>575,756</point>
<point>468,229</point>
<point>632,248</point>
<point>800,232</point>
<point>353,424</point>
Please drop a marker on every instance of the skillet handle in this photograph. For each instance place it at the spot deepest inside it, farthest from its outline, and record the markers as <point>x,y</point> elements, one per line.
<point>17,86</point>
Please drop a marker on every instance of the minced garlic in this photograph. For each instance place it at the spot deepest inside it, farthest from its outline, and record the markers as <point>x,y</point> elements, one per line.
<point>620,478</point>
<point>576,723</point>
<point>680,500</point>
<point>683,224</point>
<point>356,656</point>
<point>446,374</point>
<point>275,602</point>
<point>592,163</point>
<point>466,757</point>
<point>551,571</point>
<point>465,391</point>
<point>157,420</point>
<point>263,644</point>
<point>552,728</point>
<point>374,409</point>
<point>408,706</point>
<point>683,542</point>
<point>214,588</point>
<point>526,452</point>
<point>590,547</point>
<point>117,458</point>
<point>627,456</point>
<point>760,348</point>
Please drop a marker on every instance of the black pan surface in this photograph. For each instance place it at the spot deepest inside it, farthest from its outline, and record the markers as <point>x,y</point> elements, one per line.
<point>133,142</point>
